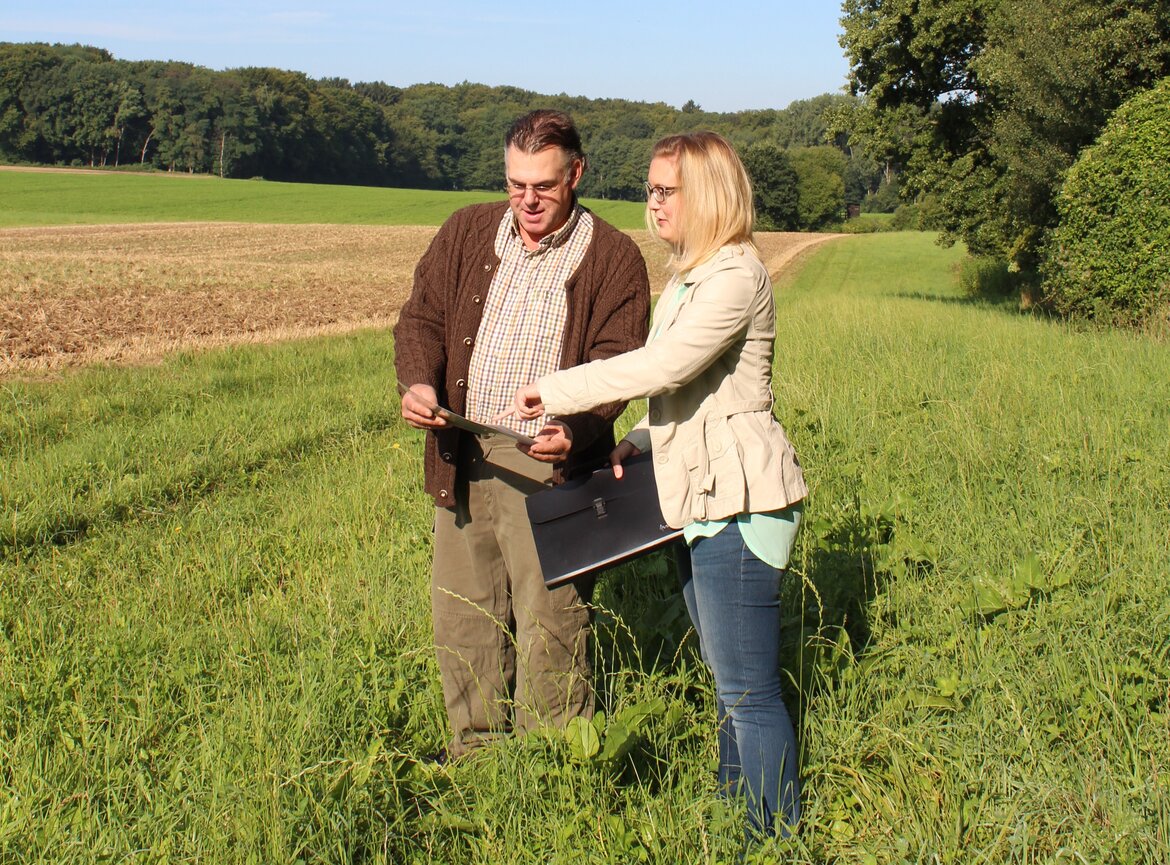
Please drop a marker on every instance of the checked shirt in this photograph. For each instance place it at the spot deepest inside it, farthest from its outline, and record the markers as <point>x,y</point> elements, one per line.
<point>523,324</point>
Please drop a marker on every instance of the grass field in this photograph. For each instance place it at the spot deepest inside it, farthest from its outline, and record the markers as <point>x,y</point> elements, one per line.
<point>81,198</point>
<point>214,626</point>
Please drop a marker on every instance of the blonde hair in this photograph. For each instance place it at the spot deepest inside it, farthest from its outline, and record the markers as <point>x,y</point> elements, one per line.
<point>716,197</point>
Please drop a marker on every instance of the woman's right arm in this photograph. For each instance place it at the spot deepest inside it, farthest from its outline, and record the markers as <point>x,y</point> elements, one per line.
<point>716,316</point>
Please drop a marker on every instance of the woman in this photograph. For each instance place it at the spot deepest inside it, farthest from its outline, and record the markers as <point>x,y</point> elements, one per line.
<point>725,471</point>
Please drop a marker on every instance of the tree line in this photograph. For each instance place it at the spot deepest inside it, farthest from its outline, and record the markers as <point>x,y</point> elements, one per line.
<point>78,105</point>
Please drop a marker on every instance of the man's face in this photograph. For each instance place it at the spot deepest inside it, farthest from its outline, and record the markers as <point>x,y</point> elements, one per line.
<point>540,190</point>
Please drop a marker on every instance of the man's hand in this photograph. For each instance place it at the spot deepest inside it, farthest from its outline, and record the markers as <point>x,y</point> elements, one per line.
<point>624,450</point>
<point>416,411</point>
<point>552,444</point>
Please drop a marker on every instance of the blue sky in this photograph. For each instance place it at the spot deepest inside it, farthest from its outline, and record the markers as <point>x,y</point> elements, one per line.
<point>727,55</point>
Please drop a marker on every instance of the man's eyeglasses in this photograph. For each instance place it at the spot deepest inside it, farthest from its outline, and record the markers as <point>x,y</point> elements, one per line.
<point>659,193</point>
<point>542,190</point>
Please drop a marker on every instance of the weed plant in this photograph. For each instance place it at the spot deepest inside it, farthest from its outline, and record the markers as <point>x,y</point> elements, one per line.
<point>215,638</point>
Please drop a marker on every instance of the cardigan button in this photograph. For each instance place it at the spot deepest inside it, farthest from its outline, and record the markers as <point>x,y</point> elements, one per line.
<point>467,340</point>
<point>447,459</point>
<point>461,383</point>
<point>444,494</point>
<point>487,267</point>
<point>475,299</point>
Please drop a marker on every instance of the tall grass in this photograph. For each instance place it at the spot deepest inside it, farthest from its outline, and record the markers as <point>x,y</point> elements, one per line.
<point>74,198</point>
<point>214,630</point>
<point>990,531</point>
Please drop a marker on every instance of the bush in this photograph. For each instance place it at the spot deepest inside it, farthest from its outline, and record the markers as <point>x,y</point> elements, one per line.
<point>868,223</point>
<point>885,199</point>
<point>905,217</point>
<point>982,276</point>
<point>1109,257</point>
<point>993,279</point>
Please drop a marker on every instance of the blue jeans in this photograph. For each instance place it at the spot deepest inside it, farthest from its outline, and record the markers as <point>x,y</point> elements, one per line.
<point>734,602</point>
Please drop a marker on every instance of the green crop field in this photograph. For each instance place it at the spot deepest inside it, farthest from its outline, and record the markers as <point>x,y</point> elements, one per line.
<point>75,198</point>
<point>214,610</point>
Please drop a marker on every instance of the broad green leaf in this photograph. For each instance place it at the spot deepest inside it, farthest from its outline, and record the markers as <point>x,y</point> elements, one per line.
<point>584,743</point>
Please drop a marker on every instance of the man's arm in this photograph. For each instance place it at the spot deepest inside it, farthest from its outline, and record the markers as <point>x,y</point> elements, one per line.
<point>552,444</point>
<point>420,353</point>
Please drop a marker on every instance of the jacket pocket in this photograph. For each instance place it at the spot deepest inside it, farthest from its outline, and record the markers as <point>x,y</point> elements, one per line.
<point>724,482</point>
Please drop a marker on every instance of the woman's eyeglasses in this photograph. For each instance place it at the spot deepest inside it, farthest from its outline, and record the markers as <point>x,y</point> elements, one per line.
<point>659,193</point>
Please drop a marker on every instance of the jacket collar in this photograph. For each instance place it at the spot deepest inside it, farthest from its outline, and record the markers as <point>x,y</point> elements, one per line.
<point>712,263</point>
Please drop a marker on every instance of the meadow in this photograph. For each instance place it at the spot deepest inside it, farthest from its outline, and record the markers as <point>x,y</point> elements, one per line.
<point>214,613</point>
<point>63,197</point>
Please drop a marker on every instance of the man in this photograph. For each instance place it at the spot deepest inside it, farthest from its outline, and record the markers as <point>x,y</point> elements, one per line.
<point>505,293</point>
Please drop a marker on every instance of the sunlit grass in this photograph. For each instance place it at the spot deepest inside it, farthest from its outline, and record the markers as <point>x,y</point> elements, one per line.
<point>215,638</point>
<point>73,198</point>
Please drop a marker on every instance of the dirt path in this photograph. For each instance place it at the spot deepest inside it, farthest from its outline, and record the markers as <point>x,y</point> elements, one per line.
<point>780,249</point>
<point>71,296</point>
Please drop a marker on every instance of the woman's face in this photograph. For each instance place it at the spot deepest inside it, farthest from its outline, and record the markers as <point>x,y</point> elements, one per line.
<point>668,212</point>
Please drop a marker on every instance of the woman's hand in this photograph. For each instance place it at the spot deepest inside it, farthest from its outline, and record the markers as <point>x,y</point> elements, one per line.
<point>624,450</point>
<point>526,405</point>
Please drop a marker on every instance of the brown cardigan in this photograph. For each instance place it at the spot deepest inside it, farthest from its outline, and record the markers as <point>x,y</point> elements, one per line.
<point>608,306</point>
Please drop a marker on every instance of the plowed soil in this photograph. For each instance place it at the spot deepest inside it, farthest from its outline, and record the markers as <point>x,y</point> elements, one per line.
<point>131,293</point>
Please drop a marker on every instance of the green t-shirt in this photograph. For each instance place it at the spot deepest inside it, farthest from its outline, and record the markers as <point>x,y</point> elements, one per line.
<point>768,535</point>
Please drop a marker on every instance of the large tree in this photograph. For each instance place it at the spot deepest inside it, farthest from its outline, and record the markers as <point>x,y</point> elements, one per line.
<point>988,102</point>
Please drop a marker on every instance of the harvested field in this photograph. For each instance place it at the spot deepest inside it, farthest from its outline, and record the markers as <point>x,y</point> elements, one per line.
<point>131,293</point>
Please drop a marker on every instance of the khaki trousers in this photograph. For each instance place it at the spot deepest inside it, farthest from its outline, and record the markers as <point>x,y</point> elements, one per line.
<point>512,654</point>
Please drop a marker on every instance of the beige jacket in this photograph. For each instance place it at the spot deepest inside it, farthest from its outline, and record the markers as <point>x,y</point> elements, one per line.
<point>707,370</point>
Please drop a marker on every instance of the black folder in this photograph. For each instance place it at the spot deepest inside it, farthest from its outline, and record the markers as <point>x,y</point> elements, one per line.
<point>592,523</point>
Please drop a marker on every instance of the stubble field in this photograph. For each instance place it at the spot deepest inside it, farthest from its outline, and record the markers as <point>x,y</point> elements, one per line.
<point>132,293</point>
